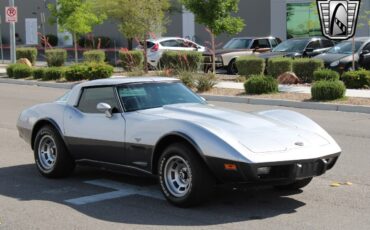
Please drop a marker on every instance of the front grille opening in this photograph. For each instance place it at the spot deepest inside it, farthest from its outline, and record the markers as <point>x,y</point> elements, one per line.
<point>277,172</point>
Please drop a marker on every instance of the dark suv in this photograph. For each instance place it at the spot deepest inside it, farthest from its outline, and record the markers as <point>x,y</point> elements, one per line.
<point>300,47</point>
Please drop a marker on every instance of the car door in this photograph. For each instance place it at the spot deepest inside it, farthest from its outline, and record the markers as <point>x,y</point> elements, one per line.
<point>365,57</point>
<point>91,134</point>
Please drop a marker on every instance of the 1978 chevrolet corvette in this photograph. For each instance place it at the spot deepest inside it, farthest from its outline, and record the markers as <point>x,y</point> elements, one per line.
<point>157,126</point>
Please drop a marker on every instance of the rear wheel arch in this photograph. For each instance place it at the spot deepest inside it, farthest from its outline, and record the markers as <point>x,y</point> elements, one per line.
<point>41,123</point>
<point>169,139</point>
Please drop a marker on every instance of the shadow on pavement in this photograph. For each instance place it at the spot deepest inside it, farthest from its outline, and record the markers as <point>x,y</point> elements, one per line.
<point>24,183</point>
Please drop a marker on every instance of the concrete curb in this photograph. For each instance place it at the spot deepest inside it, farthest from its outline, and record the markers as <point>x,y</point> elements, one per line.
<point>37,83</point>
<point>293,104</point>
<point>232,99</point>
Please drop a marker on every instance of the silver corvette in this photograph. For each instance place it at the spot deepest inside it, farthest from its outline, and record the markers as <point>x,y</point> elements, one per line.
<point>157,126</point>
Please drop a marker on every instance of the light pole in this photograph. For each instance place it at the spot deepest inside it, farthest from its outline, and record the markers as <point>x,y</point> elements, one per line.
<point>13,57</point>
<point>1,43</point>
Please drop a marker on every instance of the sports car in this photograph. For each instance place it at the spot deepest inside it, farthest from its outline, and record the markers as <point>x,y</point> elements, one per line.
<point>158,127</point>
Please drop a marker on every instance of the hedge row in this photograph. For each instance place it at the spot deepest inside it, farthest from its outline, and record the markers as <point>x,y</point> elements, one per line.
<point>85,71</point>
<point>181,60</point>
<point>29,53</point>
<point>250,65</point>
<point>304,68</point>
<point>357,79</point>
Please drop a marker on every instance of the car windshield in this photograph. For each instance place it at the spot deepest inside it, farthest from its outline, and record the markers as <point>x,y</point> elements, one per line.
<point>140,96</point>
<point>291,46</point>
<point>238,43</point>
<point>64,98</point>
<point>345,48</point>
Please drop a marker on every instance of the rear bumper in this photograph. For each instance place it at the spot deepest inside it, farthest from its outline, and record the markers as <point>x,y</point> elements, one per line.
<point>271,172</point>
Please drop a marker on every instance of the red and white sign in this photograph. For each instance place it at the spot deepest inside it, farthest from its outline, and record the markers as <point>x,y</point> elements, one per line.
<point>11,14</point>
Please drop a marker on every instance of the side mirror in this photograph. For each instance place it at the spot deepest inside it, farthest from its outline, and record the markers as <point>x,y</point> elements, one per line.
<point>105,108</point>
<point>365,52</point>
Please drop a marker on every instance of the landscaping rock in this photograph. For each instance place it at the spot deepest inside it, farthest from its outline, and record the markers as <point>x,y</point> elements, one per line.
<point>288,78</point>
<point>24,61</point>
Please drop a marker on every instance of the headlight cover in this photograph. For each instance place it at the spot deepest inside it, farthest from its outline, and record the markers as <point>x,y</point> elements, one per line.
<point>334,64</point>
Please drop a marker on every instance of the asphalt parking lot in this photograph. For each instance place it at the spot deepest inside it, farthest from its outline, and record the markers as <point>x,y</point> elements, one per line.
<point>94,199</point>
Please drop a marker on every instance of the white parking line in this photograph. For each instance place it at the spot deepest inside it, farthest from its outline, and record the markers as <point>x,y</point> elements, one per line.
<point>122,190</point>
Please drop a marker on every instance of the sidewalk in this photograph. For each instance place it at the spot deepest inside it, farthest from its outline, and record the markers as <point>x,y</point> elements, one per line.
<point>295,89</point>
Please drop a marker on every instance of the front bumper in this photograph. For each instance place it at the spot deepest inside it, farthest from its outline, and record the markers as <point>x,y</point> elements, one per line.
<point>271,172</point>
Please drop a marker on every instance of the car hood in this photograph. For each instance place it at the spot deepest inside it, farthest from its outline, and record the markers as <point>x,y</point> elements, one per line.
<point>329,58</point>
<point>254,131</point>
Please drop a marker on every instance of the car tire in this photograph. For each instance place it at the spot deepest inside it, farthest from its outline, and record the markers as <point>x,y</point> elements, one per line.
<point>231,68</point>
<point>298,184</point>
<point>51,155</point>
<point>183,176</point>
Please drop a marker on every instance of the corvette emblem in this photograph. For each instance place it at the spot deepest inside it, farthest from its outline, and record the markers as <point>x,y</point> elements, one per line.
<point>299,143</point>
<point>338,18</point>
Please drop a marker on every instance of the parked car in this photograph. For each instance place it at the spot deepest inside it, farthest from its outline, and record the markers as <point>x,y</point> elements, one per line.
<point>157,126</point>
<point>239,47</point>
<point>156,47</point>
<point>340,58</point>
<point>300,47</point>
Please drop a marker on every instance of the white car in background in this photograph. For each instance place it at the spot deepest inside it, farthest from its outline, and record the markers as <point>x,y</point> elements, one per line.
<point>156,47</point>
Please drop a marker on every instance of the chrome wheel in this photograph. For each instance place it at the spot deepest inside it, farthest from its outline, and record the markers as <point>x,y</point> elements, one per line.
<point>47,152</point>
<point>177,176</point>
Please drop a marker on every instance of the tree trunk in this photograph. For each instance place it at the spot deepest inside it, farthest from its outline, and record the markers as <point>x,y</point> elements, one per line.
<point>145,54</point>
<point>213,53</point>
<point>76,44</point>
<point>129,43</point>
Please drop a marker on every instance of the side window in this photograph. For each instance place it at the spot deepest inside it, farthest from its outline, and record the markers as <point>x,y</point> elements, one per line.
<point>91,97</point>
<point>367,47</point>
<point>261,43</point>
<point>264,43</point>
<point>273,42</point>
<point>314,45</point>
<point>170,43</point>
<point>327,43</point>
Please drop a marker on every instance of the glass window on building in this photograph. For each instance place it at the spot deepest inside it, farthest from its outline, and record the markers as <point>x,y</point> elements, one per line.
<point>302,20</point>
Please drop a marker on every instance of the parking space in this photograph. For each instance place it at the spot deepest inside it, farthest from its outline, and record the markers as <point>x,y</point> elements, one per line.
<point>96,199</point>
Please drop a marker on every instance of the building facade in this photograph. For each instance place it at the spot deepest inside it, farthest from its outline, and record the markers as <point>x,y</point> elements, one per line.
<point>280,18</point>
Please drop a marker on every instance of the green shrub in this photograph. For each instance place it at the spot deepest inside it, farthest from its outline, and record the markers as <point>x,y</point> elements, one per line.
<point>52,39</point>
<point>205,82</point>
<point>21,71</point>
<point>187,78</point>
<point>357,79</point>
<point>10,68</point>
<point>181,60</point>
<point>305,67</point>
<point>326,75</point>
<point>94,56</point>
<point>29,53</point>
<point>99,71</point>
<point>328,90</point>
<point>38,73</point>
<point>131,60</point>
<point>55,57</point>
<point>250,65</point>
<point>53,73</point>
<point>88,71</point>
<point>279,65</point>
<point>259,84</point>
